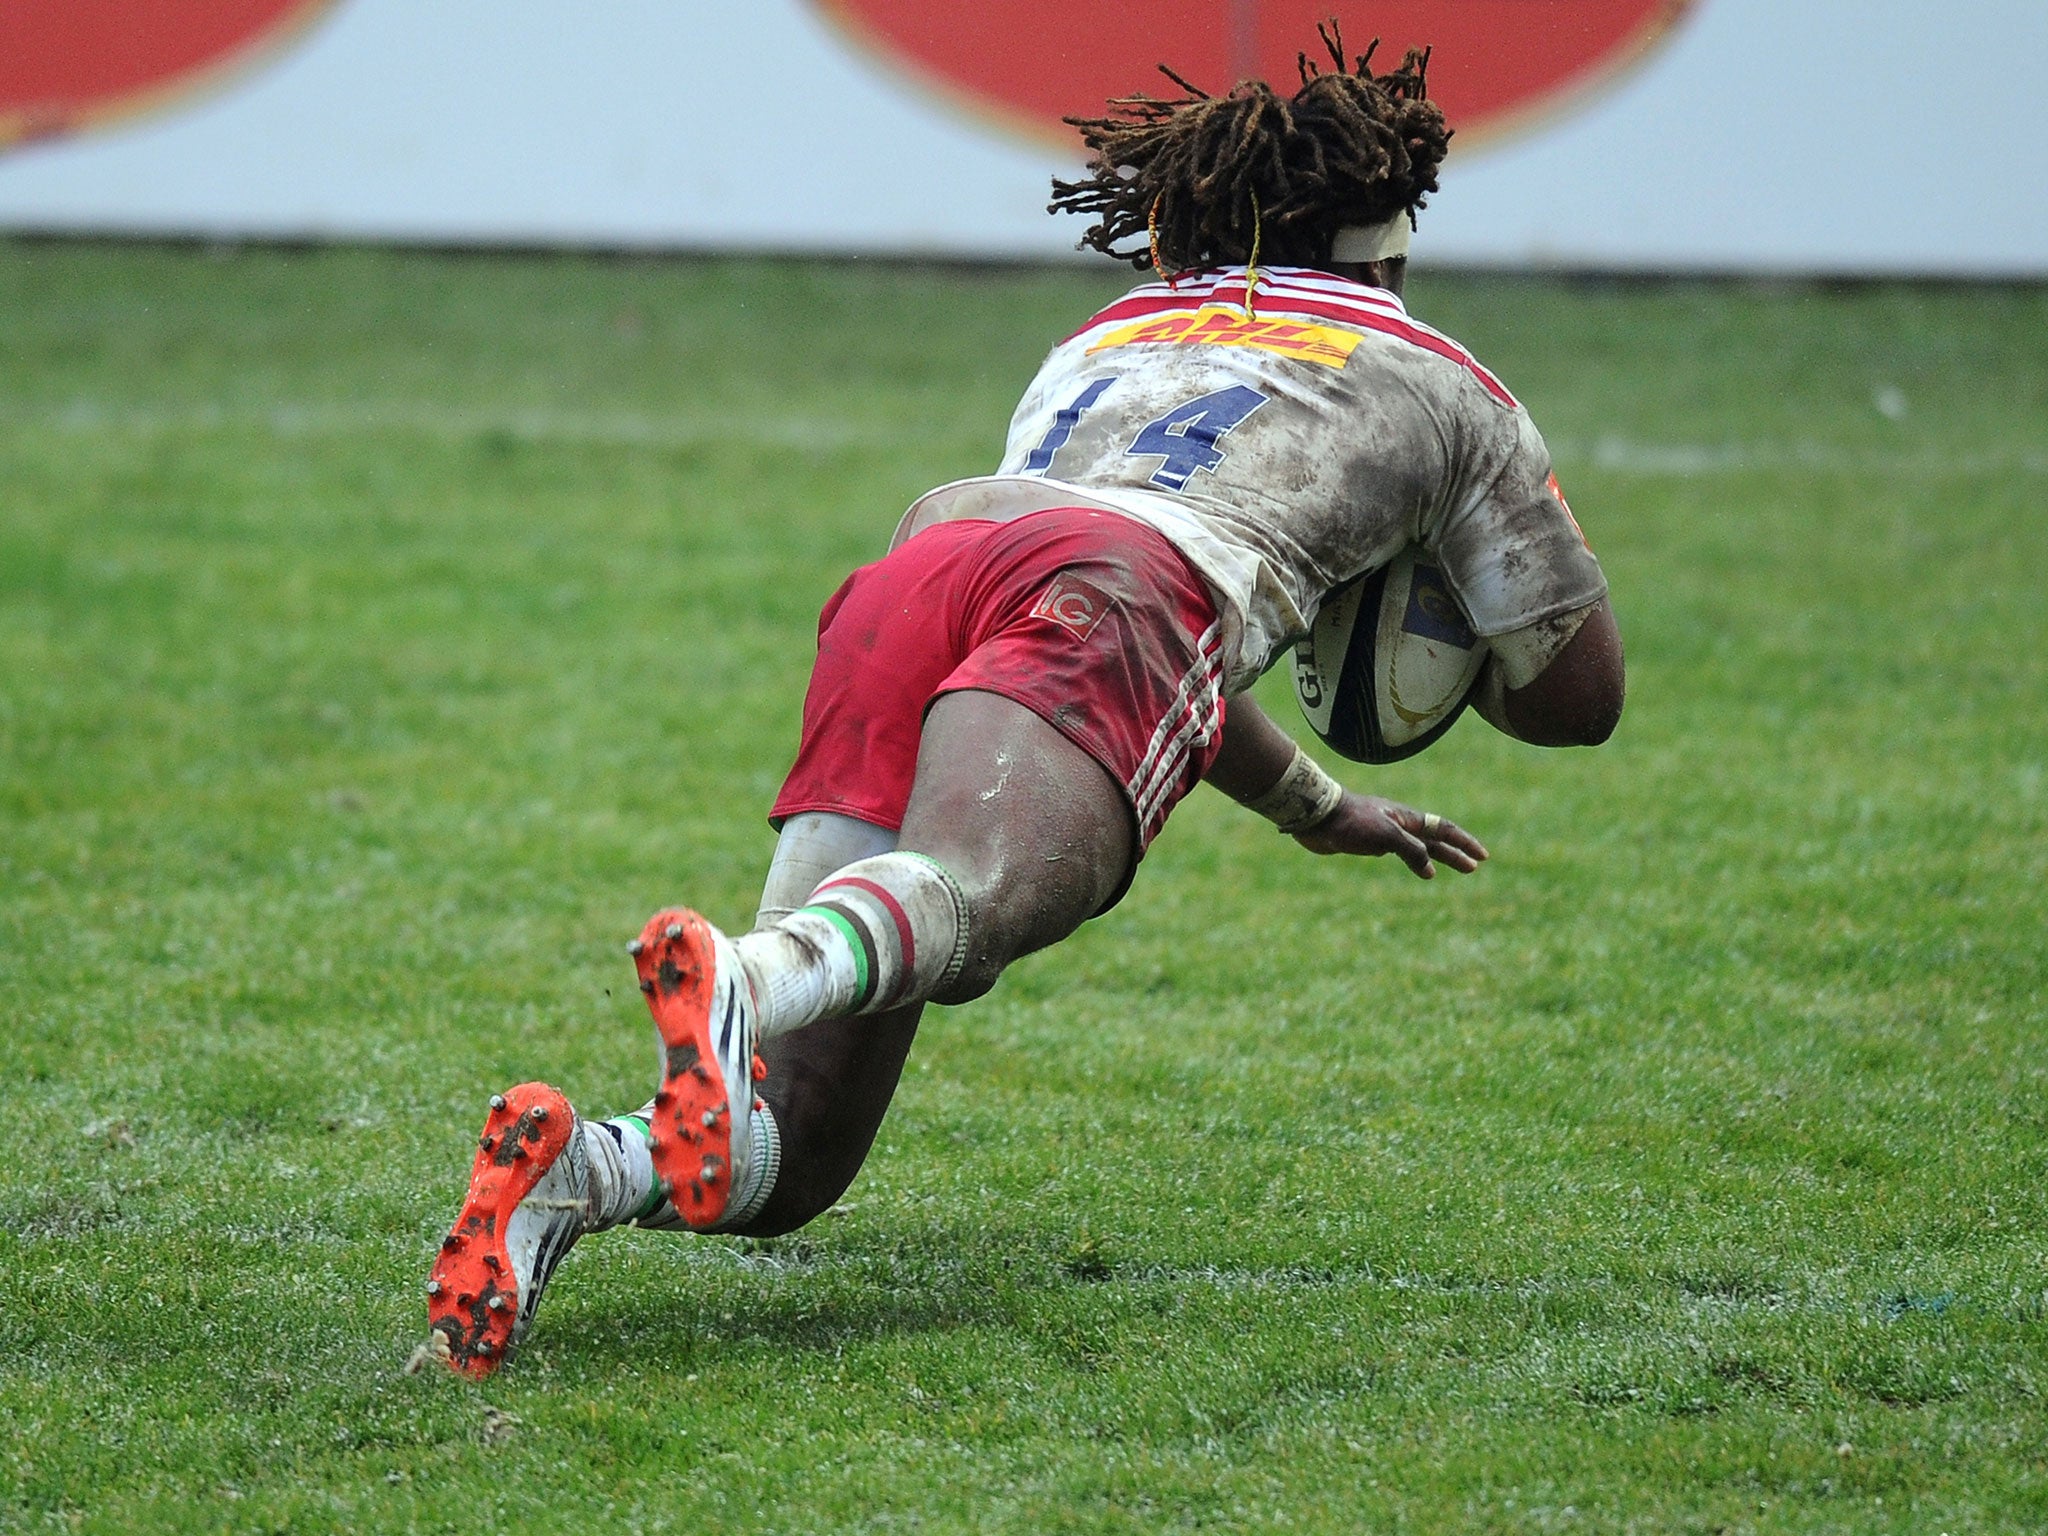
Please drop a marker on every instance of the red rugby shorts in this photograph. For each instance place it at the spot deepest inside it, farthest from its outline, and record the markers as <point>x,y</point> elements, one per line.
<point>1093,622</point>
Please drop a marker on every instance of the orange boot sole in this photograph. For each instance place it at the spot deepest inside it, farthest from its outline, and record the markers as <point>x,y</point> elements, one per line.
<point>691,1133</point>
<point>472,1295</point>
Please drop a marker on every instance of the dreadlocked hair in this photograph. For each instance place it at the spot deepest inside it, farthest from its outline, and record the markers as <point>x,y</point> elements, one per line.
<point>1201,180</point>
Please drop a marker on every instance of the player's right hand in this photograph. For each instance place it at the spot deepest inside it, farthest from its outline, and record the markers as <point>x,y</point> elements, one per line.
<point>1369,826</point>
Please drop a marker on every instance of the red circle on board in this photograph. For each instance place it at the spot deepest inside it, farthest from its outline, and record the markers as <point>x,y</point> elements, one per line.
<point>1037,61</point>
<point>66,64</point>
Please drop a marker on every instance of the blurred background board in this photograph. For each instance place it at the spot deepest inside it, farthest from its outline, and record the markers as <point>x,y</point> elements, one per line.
<point>1907,136</point>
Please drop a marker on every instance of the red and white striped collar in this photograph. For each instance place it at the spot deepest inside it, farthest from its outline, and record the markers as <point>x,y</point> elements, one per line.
<point>1297,292</point>
<point>1305,282</point>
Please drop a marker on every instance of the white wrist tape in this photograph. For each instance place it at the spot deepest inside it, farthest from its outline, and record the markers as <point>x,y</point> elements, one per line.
<point>1303,800</point>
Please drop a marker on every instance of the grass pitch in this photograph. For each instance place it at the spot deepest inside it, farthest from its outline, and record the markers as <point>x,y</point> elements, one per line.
<point>383,636</point>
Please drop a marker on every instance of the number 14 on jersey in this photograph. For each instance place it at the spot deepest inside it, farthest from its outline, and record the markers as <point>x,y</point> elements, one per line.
<point>1184,439</point>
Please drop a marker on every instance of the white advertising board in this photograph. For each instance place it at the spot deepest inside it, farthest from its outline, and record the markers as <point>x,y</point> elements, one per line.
<point>1881,136</point>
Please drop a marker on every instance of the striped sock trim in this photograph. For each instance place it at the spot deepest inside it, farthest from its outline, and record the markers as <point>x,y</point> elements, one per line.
<point>957,961</point>
<point>874,898</point>
<point>906,936</point>
<point>655,1198</point>
<point>861,942</point>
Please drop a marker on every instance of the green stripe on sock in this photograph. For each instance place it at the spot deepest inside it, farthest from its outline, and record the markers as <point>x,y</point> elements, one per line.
<point>655,1198</point>
<point>863,973</point>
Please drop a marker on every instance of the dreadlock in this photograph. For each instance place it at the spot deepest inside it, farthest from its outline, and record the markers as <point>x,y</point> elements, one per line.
<point>1204,179</point>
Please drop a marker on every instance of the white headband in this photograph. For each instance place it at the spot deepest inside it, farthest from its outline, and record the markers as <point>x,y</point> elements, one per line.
<point>1372,242</point>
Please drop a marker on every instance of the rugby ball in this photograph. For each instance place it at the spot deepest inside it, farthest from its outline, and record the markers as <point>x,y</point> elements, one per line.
<point>1389,663</point>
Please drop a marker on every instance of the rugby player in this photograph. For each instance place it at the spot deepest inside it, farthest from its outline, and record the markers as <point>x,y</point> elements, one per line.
<point>1006,708</point>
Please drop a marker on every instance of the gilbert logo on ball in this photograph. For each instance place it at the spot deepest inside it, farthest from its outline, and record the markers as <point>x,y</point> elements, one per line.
<point>72,64</point>
<point>1498,63</point>
<point>1433,612</point>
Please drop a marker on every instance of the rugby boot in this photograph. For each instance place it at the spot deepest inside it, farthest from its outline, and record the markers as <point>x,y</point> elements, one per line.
<point>701,1121</point>
<point>527,1204</point>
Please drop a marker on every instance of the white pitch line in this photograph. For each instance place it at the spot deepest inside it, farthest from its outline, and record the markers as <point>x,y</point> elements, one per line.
<point>1685,461</point>
<point>621,429</point>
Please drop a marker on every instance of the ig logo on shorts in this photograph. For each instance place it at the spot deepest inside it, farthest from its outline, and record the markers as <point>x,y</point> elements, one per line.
<point>1073,604</point>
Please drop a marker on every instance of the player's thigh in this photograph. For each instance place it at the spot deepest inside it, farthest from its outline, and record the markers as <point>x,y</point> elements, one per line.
<point>1034,828</point>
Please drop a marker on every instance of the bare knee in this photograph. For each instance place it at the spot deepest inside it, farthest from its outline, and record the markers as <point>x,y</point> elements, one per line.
<point>1035,831</point>
<point>1006,918</point>
<point>799,1199</point>
<point>1011,907</point>
<point>975,978</point>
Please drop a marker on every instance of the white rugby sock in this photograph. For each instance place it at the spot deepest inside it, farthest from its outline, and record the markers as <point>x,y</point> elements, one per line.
<point>880,933</point>
<point>622,1173</point>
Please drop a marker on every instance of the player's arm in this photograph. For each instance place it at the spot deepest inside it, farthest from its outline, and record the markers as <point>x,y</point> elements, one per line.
<point>1556,684</point>
<point>1260,767</point>
<point>1529,582</point>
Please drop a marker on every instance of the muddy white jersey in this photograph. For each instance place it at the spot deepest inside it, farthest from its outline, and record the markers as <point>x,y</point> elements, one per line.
<point>1286,447</point>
